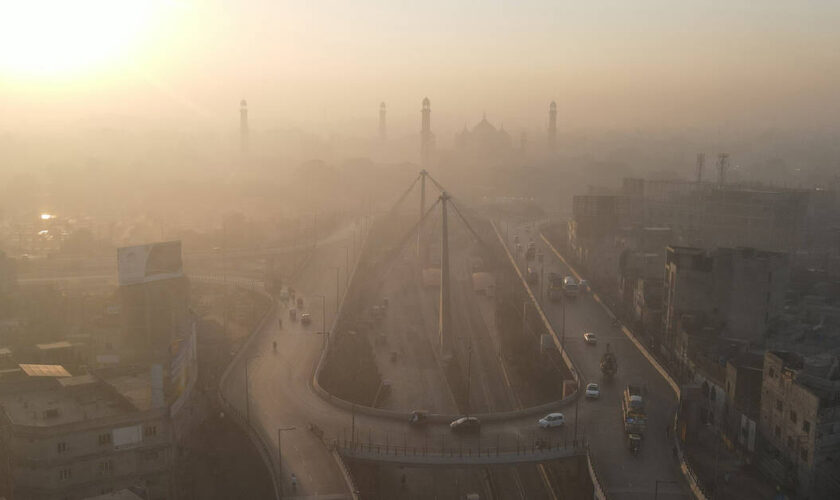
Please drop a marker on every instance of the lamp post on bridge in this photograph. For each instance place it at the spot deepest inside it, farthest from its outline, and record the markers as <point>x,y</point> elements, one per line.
<point>324,331</point>
<point>247,390</point>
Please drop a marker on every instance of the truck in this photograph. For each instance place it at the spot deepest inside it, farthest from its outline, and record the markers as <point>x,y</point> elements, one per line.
<point>570,286</point>
<point>633,410</point>
<point>609,364</point>
<point>555,286</point>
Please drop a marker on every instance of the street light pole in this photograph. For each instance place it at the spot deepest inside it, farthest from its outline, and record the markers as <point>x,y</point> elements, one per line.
<point>563,326</point>
<point>247,390</point>
<point>323,319</point>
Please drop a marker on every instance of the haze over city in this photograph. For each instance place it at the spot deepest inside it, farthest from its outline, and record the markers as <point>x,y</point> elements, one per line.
<point>419,250</point>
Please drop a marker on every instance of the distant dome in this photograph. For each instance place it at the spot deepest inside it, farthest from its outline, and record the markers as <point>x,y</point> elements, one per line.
<point>553,105</point>
<point>243,103</point>
<point>425,101</point>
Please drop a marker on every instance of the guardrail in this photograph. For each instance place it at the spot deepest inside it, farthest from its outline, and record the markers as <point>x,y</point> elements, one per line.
<point>460,455</point>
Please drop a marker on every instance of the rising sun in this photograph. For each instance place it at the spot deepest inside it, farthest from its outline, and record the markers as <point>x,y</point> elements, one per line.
<point>58,37</point>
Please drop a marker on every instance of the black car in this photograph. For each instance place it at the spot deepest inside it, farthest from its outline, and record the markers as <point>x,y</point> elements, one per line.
<point>466,424</point>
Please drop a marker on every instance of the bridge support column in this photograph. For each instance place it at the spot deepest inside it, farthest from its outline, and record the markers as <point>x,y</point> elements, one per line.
<point>422,211</point>
<point>445,315</point>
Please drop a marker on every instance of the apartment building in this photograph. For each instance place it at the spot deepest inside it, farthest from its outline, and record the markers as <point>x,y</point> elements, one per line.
<point>735,291</point>
<point>68,437</point>
<point>800,422</point>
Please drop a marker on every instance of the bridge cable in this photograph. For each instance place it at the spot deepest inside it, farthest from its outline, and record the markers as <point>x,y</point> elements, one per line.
<point>404,195</point>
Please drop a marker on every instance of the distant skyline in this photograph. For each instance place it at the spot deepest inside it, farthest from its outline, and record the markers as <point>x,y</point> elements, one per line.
<point>325,66</point>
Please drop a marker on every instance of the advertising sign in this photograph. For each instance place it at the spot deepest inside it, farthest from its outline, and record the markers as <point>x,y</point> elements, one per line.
<point>152,262</point>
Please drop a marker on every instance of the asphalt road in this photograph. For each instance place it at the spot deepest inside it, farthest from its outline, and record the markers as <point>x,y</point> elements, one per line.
<point>624,476</point>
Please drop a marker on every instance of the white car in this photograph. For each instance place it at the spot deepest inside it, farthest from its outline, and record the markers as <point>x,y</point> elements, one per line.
<point>593,391</point>
<point>590,338</point>
<point>552,420</point>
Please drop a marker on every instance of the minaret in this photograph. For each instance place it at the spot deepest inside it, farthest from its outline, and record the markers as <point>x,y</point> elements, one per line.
<point>383,131</point>
<point>243,126</point>
<point>552,126</point>
<point>425,133</point>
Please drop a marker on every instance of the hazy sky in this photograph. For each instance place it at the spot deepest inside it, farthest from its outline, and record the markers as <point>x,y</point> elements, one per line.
<point>326,65</point>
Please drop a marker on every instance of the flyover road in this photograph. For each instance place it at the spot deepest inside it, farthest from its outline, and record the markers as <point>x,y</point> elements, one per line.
<point>623,475</point>
<point>281,396</point>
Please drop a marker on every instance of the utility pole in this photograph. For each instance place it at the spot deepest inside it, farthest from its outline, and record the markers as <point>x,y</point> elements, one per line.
<point>469,373</point>
<point>701,162</point>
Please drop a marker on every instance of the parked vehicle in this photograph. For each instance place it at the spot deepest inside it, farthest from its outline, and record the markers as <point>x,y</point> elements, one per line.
<point>593,391</point>
<point>633,410</point>
<point>465,424</point>
<point>531,252</point>
<point>590,338</point>
<point>305,319</point>
<point>552,420</point>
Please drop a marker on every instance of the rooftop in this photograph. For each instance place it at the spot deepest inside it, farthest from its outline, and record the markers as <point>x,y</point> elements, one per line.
<point>50,407</point>
<point>44,370</point>
<point>55,345</point>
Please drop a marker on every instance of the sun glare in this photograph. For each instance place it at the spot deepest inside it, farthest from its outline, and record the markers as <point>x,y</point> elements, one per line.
<point>59,37</point>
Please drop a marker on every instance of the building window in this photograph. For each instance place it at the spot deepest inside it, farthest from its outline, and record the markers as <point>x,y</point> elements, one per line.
<point>806,426</point>
<point>778,432</point>
<point>150,430</point>
<point>106,467</point>
<point>64,474</point>
<point>778,405</point>
<point>61,447</point>
<point>104,439</point>
<point>793,416</point>
<point>803,454</point>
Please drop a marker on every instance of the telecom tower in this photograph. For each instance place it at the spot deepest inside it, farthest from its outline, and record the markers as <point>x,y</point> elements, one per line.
<point>243,126</point>
<point>383,131</point>
<point>426,138</point>
<point>552,126</point>
<point>723,163</point>
<point>701,162</point>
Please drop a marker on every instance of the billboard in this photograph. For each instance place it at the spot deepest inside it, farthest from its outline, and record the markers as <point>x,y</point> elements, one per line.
<point>183,372</point>
<point>152,262</point>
